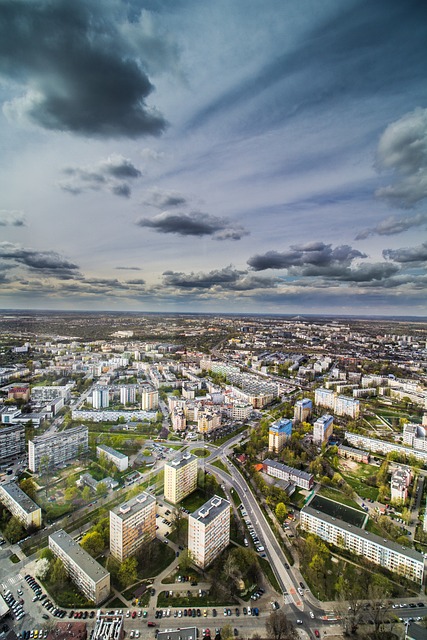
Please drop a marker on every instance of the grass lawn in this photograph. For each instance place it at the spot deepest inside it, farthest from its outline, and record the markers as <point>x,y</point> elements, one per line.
<point>14,558</point>
<point>356,479</point>
<point>185,600</point>
<point>194,501</point>
<point>156,561</point>
<point>269,574</point>
<point>116,604</point>
<point>220,465</point>
<point>200,453</point>
<point>184,529</point>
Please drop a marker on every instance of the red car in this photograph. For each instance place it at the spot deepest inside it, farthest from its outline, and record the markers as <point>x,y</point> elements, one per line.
<point>317,633</point>
<point>133,614</point>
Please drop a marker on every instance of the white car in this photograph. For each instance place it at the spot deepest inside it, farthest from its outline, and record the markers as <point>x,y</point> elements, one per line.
<point>311,615</point>
<point>132,634</point>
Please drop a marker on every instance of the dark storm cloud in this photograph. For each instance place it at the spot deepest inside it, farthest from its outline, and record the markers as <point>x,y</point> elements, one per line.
<point>193,224</point>
<point>403,149</point>
<point>216,278</point>
<point>106,174</point>
<point>164,199</point>
<point>78,69</point>
<point>12,219</point>
<point>122,190</point>
<point>129,268</point>
<point>394,225</point>
<point>315,254</point>
<point>43,261</point>
<point>138,281</point>
<point>408,256</point>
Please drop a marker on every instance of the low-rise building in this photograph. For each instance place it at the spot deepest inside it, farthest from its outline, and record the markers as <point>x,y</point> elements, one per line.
<point>400,481</point>
<point>120,460</point>
<point>358,455</point>
<point>209,531</point>
<point>109,626</point>
<point>20,505</point>
<point>381,446</point>
<point>132,525</point>
<point>86,573</point>
<point>390,555</point>
<point>289,474</point>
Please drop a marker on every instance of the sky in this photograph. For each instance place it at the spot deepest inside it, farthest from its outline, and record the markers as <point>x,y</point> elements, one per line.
<point>244,156</point>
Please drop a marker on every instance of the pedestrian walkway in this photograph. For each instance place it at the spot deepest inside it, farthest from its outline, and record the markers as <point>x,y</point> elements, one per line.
<point>11,582</point>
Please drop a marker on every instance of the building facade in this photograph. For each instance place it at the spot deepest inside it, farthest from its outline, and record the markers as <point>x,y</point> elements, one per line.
<point>132,525</point>
<point>101,397</point>
<point>20,505</point>
<point>289,474</point>
<point>120,460</point>
<point>57,448</point>
<point>86,573</point>
<point>278,433</point>
<point>323,429</point>
<point>12,441</point>
<point>388,554</point>
<point>354,454</point>
<point>209,531</point>
<point>302,410</point>
<point>380,446</point>
<point>180,477</point>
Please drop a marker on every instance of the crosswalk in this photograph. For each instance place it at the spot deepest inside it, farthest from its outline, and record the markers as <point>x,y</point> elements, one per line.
<point>11,582</point>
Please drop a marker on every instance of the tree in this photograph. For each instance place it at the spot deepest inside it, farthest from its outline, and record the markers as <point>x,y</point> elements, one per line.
<point>41,569</point>
<point>58,575</point>
<point>29,487</point>
<point>281,511</point>
<point>86,494</point>
<point>101,489</point>
<point>71,493</point>
<point>177,523</point>
<point>226,632</point>
<point>128,573</point>
<point>93,543</point>
<point>279,627</point>
<point>14,531</point>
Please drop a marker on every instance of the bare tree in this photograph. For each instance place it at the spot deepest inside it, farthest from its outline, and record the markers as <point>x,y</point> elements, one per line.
<point>278,627</point>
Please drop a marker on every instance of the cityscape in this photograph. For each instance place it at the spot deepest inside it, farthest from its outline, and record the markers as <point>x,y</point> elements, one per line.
<point>213,320</point>
<point>263,476</point>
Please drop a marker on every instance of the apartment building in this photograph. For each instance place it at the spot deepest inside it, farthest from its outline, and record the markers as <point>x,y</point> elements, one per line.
<point>178,419</point>
<point>324,398</point>
<point>119,459</point>
<point>381,446</point>
<point>209,531</point>
<point>180,477</point>
<point>289,474</point>
<point>132,525</point>
<point>128,394</point>
<point>57,448</point>
<point>149,398</point>
<point>345,406</point>
<point>208,420</point>
<point>100,397</point>
<point>323,429</point>
<point>46,393</point>
<point>302,410</point>
<point>388,554</point>
<point>340,405</point>
<point>358,455</point>
<point>400,480</point>
<point>414,435</point>
<point>86,573</point>
<point>278,433</point>
<point>20,505</point>
<point>12,441</point>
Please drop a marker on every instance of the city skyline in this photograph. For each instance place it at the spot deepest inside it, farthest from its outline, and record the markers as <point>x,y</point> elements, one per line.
<point>231,157</point>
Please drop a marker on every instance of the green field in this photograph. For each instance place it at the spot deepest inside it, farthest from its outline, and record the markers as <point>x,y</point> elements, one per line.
<point>338,496</point>
<point>357,480</point>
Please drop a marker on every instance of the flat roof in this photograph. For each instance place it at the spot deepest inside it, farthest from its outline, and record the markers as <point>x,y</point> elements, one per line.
<point>20,497</point>
<point>77,554</point>
<point>290,470</point>
<point>60,434</point>
<point>186,633</point>
<point>209,511</point>
<point>181,460</point>
<point>132,506</point>
<point>111,451</point>
<point>4,608</point>
<point>372,537</point>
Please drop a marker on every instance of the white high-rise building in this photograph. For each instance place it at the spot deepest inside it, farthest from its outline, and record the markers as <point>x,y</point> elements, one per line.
<point>100,397</point>
<point>209,531</point>
<point>180,477</point>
